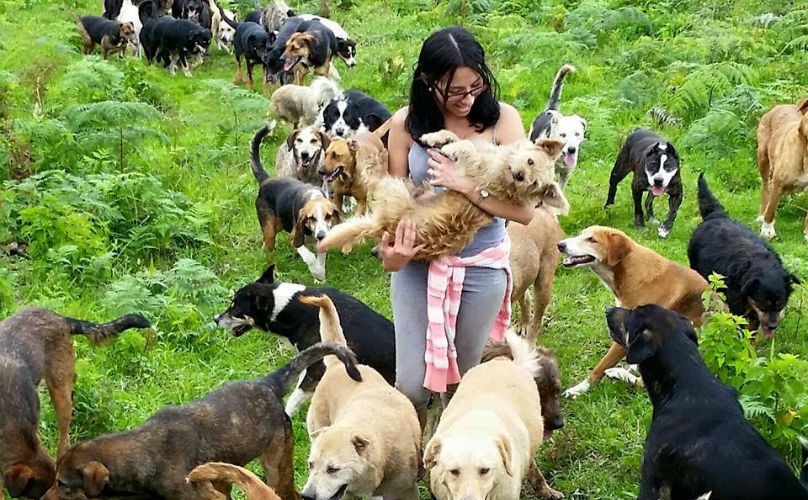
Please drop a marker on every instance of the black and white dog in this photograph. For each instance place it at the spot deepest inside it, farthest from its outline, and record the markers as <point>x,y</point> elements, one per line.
<point>655,164</point>
<point>273,307</point>
<point>699,440</point>
<point>552,124</point>
<point>353,112</point>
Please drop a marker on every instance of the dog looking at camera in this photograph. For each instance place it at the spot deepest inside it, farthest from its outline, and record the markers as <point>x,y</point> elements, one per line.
<point>301,155</point>
<point>299,105</point>
<point>445,222</point>
<point>570,129</point>
<point>353,167</point>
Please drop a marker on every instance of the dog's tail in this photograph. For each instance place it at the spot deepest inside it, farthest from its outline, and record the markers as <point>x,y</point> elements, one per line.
<point>516,348</point>
<point>281,378</point>
<point>148,10</point>
<point>253,487</point>
<point>708,204</point>
<point>258,171</point>
<point>226,19</point>
<point>558,84</point>
<point>101,332</point>
<point>330,327</point>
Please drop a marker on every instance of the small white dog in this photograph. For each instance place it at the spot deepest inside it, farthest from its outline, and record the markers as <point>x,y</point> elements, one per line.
<point>570,129</point>
<point>299,105</point>
<point>222,32</point>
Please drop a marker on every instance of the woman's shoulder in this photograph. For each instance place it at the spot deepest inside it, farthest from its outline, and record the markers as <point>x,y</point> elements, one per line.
<point>400,117</point>
<point>508,113</point>
<point>509,127</point>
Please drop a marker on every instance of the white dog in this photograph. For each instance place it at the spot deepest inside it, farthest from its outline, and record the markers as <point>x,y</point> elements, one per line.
<point>570,129</point>
<point>300,105</point>
<point>222,32</point>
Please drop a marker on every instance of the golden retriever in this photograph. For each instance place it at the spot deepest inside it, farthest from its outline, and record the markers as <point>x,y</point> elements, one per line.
<point>489,434</point>
<point>352,166</point>
<point>365,437</point>
<point>521,173</point>
<point>782,157</point>
<point>221,472</point>
<point>636,275</point>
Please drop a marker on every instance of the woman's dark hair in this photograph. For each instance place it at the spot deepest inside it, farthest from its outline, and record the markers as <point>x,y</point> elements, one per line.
<point>441,54</point>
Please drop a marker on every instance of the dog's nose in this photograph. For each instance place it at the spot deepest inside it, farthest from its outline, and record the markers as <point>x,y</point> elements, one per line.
<point>340,132</point>
<point>658,181</point>
<point>320,235</point>
<point>519,176</point>
<point>304,155</point>
<point>562,246</point>
<point>571,150</point>
<point>557,423</point>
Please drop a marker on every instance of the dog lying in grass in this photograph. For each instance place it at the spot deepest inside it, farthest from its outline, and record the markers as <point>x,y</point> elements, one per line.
<point>521,173</point>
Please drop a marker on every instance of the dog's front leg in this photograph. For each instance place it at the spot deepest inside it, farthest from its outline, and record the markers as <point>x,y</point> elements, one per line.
<point>636,192</point>
<point>674,201</point>
<point>539,484</point>
<point>316,264</point>
<point>649,207</point>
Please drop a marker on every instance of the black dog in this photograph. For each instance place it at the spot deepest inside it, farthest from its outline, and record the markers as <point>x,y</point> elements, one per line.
<point>655,164</point>
<point>197,11</point>
<point>112,36</point>
<point>757,285</point>
<point>310,49</point>
<point>273,61</point>
<point>252,43</point>
<point>352,113</point>
<point>173,41</point>
<point>699,440</point>
<point>253,17</point>
<point>273,307</point>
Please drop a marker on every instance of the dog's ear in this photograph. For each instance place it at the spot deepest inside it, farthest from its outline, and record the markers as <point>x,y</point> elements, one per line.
<point>641,347</point>
<point>290,13</point>
<point>672,151</point>
<point>95,477</point>
<point>353,145</point>
<point>360,444</point>
<point>335,215</point>
<point>17,478</point>
<point>504,447</point>
<point>583,122</point>
<point>290,141</point>
<point>552,147</point>
<point>431,453</point>
<point>802,105</point>
<point>324,139</point>
<point>298,235</point>
<point>268,277</point>
<point>616,321</point>
<point>554,200</point>
<point>272,37</point>
<point>618,248</point>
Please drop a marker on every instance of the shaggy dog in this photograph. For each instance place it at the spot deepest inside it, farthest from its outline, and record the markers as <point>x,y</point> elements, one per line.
<point>534,259</point>
<point>489,434</point>
<point>636,275</point>
<point>112,36</point>
<point>445,223</point>
<point>655,165</point>
<point>782,157</point>
<point>301,155</point>
<point>353,167</point>
<point>365,436</point>
<point>570,129</point>
<point>756,284</point>
<point>699,439</point>
<point>220,472</point>
<point>299,105</point>
<point>274,15</point>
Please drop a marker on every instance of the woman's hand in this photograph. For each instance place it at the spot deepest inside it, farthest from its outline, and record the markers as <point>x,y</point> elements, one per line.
<point>395,254</point>
<point>443,172</point>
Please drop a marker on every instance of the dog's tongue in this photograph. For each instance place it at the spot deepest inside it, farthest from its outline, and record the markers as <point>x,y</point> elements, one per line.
<point>657,190</point>
<point>547,434</point>
<point>288,65</point>
<point>299,165</point>
<point>577,259</point>
<point>569,159</point>
<point>767,331</point>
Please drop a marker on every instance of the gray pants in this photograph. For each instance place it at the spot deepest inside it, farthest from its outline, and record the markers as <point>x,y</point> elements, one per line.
<point>483,291</point>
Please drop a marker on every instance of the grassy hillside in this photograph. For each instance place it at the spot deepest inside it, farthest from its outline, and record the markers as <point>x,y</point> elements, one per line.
<point>132,190</point>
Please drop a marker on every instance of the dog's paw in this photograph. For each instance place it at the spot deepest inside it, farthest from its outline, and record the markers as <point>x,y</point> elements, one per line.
<point>653,220</point>
<point>577,390</point>
<point>767,231</point>
<point>347,248</point>
<point>550,494</point>
<point>622,374</point>
<point>439,139</point>
<point>663,232</point>
<point>759,219</point>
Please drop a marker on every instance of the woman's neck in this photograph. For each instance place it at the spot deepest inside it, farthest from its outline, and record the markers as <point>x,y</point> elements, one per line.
<point>460,125</point>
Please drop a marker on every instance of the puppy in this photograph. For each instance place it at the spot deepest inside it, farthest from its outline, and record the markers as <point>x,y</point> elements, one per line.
<point>699,439</point>
<point>251,43</point>
<point>222,32</point>
<point>636,275</point>
<point>655,164</point>
<point>220,472</point>
<point>152,460</point>
<point>534,259</point>
<point>552,124</point>
<point>365,437</point>
<point>346,47</point>
<point>757,285</point>
<point>36,344</point>
<point>353,166</point>
<point>446,222</point>
<point>300,106</point>
<point>782,157</point>
<point>353,112</point>
<point>112,36</point>
<point>489,434</point>
<point>274,15</point>
<point>287,204</point>
<point>301,155</point>
<point>310,49</point>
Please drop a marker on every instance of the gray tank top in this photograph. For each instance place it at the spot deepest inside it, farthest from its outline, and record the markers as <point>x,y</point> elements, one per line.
<point>488,236</point>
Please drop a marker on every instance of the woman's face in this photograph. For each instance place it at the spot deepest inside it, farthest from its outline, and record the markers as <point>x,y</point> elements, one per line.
<point>458,98</point>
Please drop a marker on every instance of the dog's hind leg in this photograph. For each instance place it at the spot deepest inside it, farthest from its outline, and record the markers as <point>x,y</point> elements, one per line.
<point>60,375</point>
<point>542,292</point>
<point>636,193</point>
<point>278,462</point>
<point>539,483</point>
<point>775,193</point>
<point>238,78</point>
<point>619,172</point>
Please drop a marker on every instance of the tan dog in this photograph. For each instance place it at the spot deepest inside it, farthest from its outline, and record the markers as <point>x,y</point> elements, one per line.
<point>489,434</point>
<point>365,437</point>
<point>521,173</point>
<point>220,472</point>
<point>636,275</point>
<point>352,166</point>
<point>299,105</point>
<point>782,157</point>
<point>534,259</point>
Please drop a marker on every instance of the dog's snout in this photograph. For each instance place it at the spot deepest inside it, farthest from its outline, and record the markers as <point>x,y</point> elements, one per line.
<point>557,423</point>
<point>571,150</point>
<point>562,246</point>
<point>519,176</point>
<point>658,181</point>
<point>320,235</point>
<point>304,497</point>
<point>340,132</point>
<point>305,155</point>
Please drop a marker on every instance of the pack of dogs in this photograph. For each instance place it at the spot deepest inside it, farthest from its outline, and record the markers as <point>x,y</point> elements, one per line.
<point>366,440</point>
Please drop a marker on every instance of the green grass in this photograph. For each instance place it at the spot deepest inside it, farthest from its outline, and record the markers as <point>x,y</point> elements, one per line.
<point>708,65</point>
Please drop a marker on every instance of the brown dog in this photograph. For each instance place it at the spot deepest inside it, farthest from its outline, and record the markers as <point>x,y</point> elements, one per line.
<point>352,166</point>
<point>534,259</point>
<point>35,344</point>
<point>637,276</point>
<point>782,157</point>
<point>220,472</point>
<point>238,422</point>
<point>309,51</point>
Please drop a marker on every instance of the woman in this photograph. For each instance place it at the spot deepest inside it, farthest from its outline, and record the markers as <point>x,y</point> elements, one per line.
<point>452,88</point>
